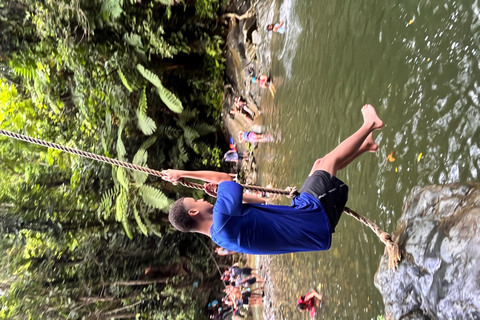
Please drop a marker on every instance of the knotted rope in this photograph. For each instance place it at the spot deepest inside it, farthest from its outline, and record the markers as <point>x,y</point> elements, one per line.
<point>390,246</point>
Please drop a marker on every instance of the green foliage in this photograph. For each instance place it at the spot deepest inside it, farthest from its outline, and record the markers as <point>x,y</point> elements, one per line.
<point>72,227</point>
<point>170,100</point>
<point>153,197</point>
<point>145,123</point>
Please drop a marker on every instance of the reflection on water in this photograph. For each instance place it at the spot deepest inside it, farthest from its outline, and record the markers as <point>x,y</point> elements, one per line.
<point>418,64</point>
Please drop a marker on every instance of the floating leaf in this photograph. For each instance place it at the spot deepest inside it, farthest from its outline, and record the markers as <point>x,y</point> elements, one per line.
<point>419,157</point>
<point>390,156</point>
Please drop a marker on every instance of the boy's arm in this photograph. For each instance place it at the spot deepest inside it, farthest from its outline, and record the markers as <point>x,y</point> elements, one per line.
<point>208,176</point>
<point>250,198</point>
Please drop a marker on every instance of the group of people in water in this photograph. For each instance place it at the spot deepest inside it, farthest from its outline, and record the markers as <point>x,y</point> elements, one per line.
<point>239,290</point>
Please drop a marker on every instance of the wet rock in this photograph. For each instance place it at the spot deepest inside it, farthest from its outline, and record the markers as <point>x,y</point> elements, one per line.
<point>439,276</point>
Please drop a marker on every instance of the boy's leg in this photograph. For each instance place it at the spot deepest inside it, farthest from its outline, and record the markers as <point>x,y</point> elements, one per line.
<point>349,149</point>
<point>367,145</point>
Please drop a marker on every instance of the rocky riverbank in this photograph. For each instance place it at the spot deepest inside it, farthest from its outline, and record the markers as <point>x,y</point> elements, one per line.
<point>241,66</point>
<point>438,277</point>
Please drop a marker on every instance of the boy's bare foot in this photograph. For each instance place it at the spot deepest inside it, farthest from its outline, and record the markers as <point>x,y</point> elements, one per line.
<point>371,118</point>
<point>369,144</point>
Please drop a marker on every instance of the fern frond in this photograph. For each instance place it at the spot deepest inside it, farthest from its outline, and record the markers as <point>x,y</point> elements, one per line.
<point>150,76</point>
<point>204,128</point>
<point>154,197</point>
<point>26,68</point>
<point>142,103</point>
<point>170,100</point>
<point>146,124</point>
<point>124,80</point>
<point>121,151</point>
<point>200,147</point>
<point>190,114</point>
<point>140,159</point>
<point>133,39</point>
<point>126,227</point>
<point>140,224</point>
<point>169,131</point>
<point>123,179</point>
<point>121,206</point>
<point>182,153</point>
<point>147,144</point>
<point>108,122</point>
<point>190,135</point>
<point>111,9</point>
<point>150,225</point>
<point>106,203</point>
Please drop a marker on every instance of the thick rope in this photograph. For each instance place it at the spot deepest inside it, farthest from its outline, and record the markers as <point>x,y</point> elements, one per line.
<point>390,246</point>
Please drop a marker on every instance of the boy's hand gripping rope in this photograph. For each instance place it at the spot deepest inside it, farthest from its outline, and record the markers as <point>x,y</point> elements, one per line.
<point>211,188</point>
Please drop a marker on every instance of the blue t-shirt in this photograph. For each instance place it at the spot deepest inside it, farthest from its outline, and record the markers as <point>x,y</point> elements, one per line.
<point>268,229</point>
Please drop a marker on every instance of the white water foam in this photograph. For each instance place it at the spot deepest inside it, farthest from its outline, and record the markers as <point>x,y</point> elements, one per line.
<point>293,29</point>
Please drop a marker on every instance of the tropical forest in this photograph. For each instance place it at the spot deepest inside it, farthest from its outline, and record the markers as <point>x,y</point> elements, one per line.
<point>140,81</point>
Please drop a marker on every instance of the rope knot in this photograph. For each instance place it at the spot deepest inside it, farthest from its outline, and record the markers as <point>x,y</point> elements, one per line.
<point>292,192</point>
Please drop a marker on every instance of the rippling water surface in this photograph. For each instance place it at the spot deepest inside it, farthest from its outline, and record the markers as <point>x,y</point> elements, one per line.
<point>417,63</point>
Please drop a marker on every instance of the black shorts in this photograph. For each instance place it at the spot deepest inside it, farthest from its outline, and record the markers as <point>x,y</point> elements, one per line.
<point>331,191</point>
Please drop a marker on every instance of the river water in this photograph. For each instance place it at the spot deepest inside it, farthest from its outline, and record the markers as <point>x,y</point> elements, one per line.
<point>417,63</point>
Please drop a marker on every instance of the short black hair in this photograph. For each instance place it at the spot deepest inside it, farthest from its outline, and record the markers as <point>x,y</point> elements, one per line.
<point>302,306</point>
<point>180,218</point>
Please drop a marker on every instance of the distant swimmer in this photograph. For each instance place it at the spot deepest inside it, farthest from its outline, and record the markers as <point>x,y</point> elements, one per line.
<point>266,83</point>
<point>309,301</point>
<point>277,27</point>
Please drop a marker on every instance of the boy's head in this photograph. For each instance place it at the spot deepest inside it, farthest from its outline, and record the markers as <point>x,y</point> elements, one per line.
<point>301,307</point>
<point>270,27</point>
<point>186,214</point>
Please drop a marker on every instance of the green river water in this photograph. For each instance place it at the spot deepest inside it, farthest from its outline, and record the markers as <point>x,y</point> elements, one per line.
<point>417,63</point>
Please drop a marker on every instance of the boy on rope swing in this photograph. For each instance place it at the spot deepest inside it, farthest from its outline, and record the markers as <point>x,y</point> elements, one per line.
<point>244,223</point>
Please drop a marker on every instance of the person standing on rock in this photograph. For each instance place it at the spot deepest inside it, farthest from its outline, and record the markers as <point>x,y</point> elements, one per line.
<point>266,83</point>
<point>244,223</point>
<point>253,137</point>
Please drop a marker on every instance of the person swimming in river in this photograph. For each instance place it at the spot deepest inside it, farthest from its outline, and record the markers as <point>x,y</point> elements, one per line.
<point>265,82</point>
<point>252,137</point>
<point>246,224</point>
<point>309,301</point>
<point>277,27</point>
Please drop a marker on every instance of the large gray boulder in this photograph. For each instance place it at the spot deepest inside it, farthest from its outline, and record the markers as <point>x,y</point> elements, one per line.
<point>439,238</point>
